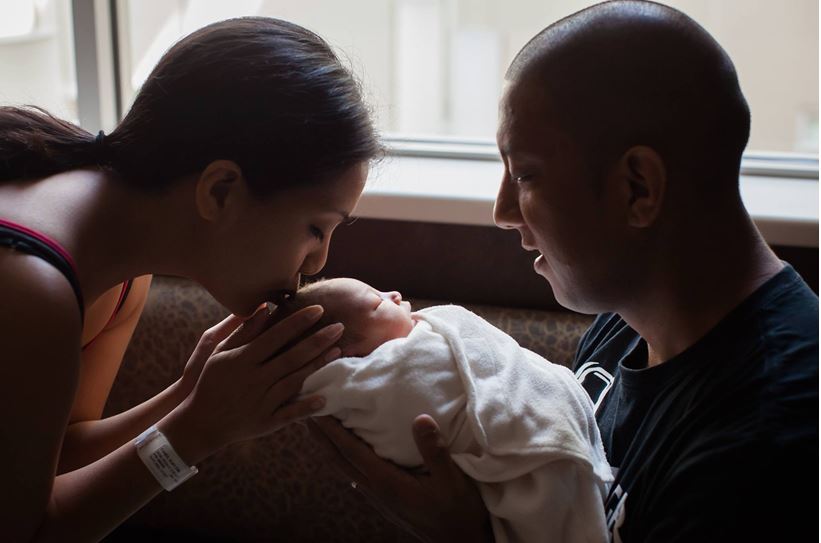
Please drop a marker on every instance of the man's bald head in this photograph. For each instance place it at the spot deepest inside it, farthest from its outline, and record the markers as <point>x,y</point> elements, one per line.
<point>628,73</point>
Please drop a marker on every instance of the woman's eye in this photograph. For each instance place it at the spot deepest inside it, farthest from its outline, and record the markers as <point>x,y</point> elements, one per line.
<point>317,233</point>
<point>520,178</point>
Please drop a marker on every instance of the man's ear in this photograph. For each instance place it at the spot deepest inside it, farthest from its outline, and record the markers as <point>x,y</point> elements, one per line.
<point>216,185</point>
<point>644,186</point>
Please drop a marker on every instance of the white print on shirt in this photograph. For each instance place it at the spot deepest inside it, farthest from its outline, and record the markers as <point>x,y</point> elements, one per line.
<point>615,516</point>
<point>593,370</point>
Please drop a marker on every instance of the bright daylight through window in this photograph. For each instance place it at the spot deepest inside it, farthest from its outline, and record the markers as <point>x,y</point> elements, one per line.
<point>434,68</point>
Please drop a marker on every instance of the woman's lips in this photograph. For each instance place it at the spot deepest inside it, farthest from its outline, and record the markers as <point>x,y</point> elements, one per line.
<point>282,295</point>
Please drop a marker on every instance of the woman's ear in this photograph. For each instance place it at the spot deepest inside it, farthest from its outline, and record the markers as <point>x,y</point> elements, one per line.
<point>644,185</point>
<point>217,187</point>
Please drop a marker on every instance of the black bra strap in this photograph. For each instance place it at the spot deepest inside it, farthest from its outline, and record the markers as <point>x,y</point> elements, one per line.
<point>25,243</point>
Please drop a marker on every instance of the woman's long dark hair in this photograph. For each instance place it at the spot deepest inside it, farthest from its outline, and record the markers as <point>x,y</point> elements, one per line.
<point>267,94</point>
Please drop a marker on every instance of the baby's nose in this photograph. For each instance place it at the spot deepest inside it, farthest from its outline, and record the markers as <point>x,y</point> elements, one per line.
<point>393,296</point>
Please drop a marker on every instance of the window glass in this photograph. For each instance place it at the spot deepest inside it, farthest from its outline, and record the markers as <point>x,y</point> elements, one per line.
<point>37,56</point>
<point>435,67</point>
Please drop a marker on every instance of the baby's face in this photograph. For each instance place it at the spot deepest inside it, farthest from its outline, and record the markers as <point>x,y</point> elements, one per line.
<point>375,316</point>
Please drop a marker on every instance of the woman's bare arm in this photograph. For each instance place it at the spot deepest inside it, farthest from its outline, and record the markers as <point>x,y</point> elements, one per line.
<point>243,392</point>
<point>40,330</point>
<point>89,438</point>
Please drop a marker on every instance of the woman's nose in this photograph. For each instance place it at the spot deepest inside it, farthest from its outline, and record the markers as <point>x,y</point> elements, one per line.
<point>393,296</point>
<point>506,212</point>
<point>315,261</point>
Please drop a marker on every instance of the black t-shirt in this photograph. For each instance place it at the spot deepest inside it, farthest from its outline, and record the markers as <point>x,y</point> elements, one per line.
<point>719,443</point>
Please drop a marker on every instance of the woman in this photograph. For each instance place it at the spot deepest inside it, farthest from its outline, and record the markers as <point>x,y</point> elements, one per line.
<point>246,146</point>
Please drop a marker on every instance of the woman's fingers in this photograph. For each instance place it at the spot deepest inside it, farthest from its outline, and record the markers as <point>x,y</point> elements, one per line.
<point>249,329</point>
<point>314,351</point>
<point>296,410</point>
<point>273,339</point>
<point>248,391</point>
<point>217,333</point>
<point>289,386</point>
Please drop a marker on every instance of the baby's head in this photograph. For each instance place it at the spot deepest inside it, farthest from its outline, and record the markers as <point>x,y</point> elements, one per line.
<point>370,317</point>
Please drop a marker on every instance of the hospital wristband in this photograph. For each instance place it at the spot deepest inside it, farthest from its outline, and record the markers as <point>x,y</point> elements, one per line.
<point>162,460</point>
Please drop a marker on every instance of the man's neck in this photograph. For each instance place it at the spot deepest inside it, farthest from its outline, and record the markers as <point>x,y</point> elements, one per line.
<point>693,290</point>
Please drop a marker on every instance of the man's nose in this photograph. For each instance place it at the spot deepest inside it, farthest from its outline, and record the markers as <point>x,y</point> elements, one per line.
<point>506,212</point>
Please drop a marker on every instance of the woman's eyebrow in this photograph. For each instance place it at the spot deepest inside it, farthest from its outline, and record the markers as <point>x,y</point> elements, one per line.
<point>344,216</point>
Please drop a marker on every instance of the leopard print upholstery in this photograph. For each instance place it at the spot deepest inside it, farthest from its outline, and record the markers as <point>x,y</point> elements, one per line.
<point>281,487</point>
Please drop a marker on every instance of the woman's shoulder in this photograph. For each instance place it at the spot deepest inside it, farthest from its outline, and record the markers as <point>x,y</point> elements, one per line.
<point>39,302</point>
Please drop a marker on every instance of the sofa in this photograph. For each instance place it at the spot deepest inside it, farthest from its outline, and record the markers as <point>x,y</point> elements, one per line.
<point>281,487</point>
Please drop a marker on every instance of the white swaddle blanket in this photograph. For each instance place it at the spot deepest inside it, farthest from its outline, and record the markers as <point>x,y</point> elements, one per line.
<point>520,426</point>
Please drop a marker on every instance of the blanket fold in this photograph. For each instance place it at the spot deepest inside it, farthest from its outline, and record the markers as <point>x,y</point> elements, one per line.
<point>520,426</point>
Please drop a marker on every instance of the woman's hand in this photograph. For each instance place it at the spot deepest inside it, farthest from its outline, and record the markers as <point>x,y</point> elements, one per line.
<point>442,505</point>
<point>248,385</point>
<point>205,348</point>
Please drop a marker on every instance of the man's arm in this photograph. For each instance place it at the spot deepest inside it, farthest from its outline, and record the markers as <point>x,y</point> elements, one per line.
<point>442,505</point>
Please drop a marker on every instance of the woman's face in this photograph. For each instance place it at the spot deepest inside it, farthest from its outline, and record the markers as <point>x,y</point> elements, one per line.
<point>272,243</point>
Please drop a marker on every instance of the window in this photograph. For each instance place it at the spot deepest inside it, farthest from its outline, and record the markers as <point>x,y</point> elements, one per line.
<point>433,69</point>
<point>37,55</point>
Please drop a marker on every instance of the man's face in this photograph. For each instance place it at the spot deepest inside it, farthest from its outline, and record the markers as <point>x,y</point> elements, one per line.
<point>549,195</point>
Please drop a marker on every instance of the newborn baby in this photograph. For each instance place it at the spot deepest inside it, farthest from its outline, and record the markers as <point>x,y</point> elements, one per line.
<point>519,425</point>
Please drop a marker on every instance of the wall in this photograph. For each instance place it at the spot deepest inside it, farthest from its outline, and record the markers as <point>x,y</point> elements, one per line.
<point>463,264</point>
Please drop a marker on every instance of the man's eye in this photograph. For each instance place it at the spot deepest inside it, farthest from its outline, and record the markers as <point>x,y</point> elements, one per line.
<point>317,233</point>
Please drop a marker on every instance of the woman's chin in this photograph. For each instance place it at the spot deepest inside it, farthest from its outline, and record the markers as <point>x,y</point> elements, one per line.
<point>244,311</point>
<point>244,308</point>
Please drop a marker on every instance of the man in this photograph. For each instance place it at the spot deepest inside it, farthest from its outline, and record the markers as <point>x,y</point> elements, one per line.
<point>621,130</point>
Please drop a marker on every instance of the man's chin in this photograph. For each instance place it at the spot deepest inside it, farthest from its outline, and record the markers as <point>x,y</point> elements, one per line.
<point>541,267</point>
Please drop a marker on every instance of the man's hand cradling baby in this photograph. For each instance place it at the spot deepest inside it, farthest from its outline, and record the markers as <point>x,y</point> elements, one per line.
<point>440,505</point>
